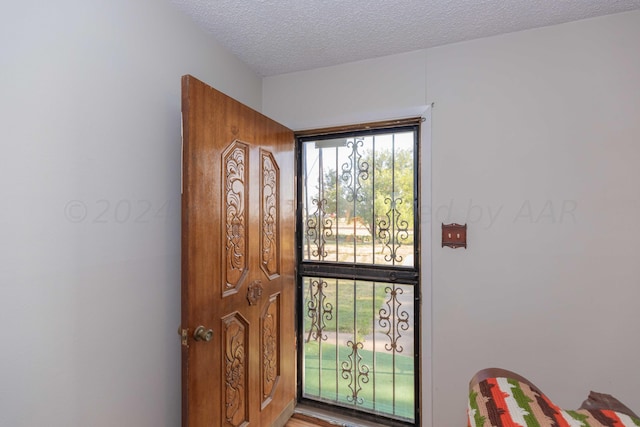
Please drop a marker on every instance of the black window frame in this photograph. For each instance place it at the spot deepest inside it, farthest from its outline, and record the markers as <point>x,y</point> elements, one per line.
<point>392,274</point>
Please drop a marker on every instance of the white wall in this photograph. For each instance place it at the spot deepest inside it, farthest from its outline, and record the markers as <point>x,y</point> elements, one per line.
<point>535,146</point>
<point>356,92</point>
<point>90,297</point>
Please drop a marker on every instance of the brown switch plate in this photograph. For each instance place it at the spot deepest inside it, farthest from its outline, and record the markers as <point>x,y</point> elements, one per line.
<point>454,235</point>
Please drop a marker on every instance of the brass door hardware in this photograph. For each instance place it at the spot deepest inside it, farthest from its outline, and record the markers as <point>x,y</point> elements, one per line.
<point>184,336</point>
<point>202,334</point>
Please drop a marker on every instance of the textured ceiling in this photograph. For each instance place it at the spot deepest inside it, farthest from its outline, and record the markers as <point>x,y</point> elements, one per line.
<point>280,36</point>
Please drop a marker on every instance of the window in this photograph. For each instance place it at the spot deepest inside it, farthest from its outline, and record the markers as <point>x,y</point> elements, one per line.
<point>358,272</point>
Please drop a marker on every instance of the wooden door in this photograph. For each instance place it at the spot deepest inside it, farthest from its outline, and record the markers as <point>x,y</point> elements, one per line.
<point>237,263</point>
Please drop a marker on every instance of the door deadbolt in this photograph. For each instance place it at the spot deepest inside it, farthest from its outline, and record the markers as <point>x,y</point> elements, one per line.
<point>202,334</point>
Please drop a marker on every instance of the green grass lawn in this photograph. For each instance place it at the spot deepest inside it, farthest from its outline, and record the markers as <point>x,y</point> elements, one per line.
<point>343,296</point>
<point>384,392</point>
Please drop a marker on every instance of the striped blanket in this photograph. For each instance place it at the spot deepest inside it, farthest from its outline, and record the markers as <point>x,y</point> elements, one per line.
<point>499,398</point>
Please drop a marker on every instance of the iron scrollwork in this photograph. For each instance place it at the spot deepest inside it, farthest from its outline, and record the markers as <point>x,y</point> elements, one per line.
<point>356,372</point>
<point>393,319</point>
<point>393,230</point>
<point>319,310</point>
<point>354,171</point>
<point>319,228</point>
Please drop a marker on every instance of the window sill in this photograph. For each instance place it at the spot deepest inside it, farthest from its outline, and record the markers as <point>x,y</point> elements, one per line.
<point>330,419</point>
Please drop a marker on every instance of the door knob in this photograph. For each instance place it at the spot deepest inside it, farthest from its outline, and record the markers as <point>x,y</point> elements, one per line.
<point>202,334</point>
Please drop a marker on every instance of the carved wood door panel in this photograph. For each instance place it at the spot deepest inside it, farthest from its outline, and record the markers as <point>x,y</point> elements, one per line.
<point>237,263</point>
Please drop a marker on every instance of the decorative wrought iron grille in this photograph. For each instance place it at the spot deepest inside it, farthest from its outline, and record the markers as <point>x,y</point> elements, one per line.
<point>359,198</point>
<point>358,272</point>
<point>362,354</point>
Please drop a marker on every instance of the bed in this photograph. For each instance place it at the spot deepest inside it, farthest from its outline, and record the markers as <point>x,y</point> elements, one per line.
<point>500,398</point>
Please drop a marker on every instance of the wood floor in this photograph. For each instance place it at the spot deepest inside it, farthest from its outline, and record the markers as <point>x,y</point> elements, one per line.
<point>293,422</point>
<point>299,420</point>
